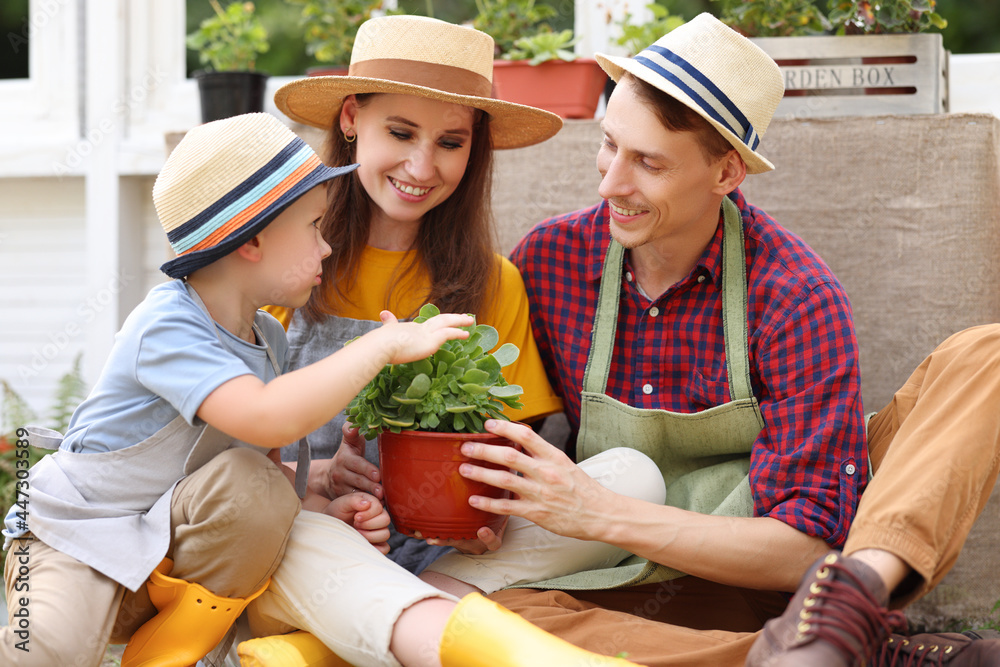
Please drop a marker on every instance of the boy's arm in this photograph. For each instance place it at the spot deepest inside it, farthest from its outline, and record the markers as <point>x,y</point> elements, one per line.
<point>297,403</point>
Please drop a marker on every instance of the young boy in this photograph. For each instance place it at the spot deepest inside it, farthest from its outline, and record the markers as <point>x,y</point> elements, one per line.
<point>164,477</point>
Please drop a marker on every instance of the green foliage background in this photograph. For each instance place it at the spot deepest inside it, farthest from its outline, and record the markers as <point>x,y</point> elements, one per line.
<point>973,27</point>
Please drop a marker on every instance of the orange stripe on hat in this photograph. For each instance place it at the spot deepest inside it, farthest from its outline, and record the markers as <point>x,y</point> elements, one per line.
<point>259,205</point>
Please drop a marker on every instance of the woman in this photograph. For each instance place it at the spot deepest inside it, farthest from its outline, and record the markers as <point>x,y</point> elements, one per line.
<point>413,223</point>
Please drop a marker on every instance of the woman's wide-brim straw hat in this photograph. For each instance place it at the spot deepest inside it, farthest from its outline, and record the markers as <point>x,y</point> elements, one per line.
<point>417,55</point>
<point>226,181</point>
<point>718,73</point>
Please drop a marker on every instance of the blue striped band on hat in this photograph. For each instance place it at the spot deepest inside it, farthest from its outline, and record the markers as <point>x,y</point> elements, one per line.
<point>715,103</point>
<point>241,203</point>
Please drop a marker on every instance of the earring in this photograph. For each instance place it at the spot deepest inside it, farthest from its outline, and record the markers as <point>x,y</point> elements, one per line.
<point>350,136</point>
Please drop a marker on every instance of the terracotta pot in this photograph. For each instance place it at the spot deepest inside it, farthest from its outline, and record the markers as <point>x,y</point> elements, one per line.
<point>570,89</point>
<point>423,490</point>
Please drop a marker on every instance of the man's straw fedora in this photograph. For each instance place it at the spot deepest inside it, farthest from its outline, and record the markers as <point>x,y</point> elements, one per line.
<point>718,73</point>
<point>417,55</point>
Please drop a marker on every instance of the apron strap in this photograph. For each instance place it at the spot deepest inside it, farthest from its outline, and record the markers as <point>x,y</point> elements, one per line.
<point>602,340</point>
<point>735,302</point>
<point>734,310</point>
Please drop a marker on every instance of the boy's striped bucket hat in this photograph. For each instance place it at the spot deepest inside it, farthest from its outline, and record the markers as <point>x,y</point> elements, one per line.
<point>717,72</point>
<point>227,180</point>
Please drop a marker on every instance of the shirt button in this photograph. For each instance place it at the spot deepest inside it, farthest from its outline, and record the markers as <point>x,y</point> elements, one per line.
<point>647,389</point>
<point>850,469</point>
<point>654,311</point>
<point>628,276</point>
<point>701,279</point>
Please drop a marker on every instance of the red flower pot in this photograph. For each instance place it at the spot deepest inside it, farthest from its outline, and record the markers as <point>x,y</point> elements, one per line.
<point>424,491</point>
<point>569,89</point>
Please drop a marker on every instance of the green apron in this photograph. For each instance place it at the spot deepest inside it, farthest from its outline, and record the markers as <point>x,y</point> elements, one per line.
<point>705,456</point>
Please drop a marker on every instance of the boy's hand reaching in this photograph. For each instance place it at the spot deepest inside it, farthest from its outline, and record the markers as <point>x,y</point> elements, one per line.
<point>411,341</point>
<point>365,513</point>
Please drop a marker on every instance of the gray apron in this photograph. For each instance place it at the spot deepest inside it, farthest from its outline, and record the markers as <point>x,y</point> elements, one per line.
<point>309,342</point>
<point>111,510</point>
<point>705,456</point>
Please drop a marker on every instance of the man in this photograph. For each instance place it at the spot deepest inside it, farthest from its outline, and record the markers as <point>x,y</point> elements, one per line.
<point>680,321</point>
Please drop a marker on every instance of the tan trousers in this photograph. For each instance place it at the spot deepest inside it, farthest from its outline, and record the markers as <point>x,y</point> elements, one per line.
<point>230,522</point>
<point>936,451</point>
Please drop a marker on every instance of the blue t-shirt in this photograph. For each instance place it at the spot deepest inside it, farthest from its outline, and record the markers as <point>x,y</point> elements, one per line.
<point>167,358</point>
<point>165,361</point>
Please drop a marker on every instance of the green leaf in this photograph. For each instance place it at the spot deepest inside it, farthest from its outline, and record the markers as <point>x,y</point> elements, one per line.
<point>475,376</point>
<point>475,420</point>
<point>425,366</point>
<point>401,423</point>
<point>420,385</point>
<point>460,408</point>
<point>473,388</point>
<point>488,336</point>
<point>491,366</point>
<point>405,400</point>
<point>445,356</point>
<point>509,391</point>
<point>507,354</point>
<point>427,311</point>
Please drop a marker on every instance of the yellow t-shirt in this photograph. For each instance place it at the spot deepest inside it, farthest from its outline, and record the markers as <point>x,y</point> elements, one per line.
<point>509,316</point>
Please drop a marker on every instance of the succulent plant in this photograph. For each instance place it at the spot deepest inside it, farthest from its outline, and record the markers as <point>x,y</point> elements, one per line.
<point>454,390</point>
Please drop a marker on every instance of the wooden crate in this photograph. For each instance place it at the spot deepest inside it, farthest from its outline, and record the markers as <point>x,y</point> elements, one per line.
<point>860,75</point>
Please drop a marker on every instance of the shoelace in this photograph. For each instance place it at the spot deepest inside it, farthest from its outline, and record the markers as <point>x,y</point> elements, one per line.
<point>849,618</point>
<point>920,657</point>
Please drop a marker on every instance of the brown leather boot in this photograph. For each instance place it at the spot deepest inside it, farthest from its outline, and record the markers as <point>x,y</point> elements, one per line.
<point>838,618</point>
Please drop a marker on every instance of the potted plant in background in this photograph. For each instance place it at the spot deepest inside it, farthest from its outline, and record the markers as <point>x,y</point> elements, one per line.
<point>636,34</point>
<point>847,63</point>
<point>329,29</point>
<point>229,44</point>
<point>420,413</point>
<point>535,64</point>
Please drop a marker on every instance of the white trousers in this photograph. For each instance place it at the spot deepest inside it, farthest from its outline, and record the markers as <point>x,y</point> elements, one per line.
<point>530,553</point>
<point>334,584</point>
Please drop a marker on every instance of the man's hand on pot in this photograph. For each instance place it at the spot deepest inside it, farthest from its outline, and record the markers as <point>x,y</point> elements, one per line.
<point>551,490</point>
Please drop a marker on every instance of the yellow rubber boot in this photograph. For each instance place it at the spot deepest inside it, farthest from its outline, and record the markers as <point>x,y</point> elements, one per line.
<point>481,633</point>
<point>296,649</point>
<point>190,622</point>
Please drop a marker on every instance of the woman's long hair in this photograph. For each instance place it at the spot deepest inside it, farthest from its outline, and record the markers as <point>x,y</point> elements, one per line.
<point>455,240</point>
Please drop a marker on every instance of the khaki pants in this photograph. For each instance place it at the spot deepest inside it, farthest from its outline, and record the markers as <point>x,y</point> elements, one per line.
<point>230,521</point>
<point>935,450</point>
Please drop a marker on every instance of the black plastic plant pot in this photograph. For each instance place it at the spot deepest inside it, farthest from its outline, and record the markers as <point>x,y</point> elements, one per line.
<point>225,94</point>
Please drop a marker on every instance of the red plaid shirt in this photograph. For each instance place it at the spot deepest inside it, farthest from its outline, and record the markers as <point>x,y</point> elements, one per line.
<point>809,464</point>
